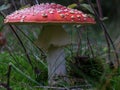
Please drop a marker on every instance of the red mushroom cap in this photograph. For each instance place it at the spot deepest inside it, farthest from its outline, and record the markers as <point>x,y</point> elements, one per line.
<point>49,13</point>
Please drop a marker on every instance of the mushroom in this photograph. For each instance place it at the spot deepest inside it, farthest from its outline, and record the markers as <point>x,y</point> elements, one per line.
<point>53,38</point>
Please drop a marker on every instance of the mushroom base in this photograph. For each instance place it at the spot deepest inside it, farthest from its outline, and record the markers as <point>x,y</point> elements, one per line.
<point>56,65</point>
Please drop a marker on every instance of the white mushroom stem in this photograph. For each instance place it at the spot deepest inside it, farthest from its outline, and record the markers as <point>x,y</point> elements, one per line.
<point>53,39</point>
<point>56,63</point>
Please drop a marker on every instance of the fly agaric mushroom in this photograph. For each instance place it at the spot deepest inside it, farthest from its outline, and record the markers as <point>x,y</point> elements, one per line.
<point>53,38</point>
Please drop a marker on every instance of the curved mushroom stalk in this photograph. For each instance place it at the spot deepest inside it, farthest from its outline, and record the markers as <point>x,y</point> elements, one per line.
<point>53,39</point>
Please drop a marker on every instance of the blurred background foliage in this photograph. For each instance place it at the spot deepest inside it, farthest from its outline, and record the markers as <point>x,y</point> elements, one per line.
<point>15,54</point>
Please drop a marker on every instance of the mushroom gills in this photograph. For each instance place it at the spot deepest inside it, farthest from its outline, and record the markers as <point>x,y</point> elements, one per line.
<point>53,35</point>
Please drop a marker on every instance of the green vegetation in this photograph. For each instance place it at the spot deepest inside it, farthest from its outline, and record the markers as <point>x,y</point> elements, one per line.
<point>22,75</point>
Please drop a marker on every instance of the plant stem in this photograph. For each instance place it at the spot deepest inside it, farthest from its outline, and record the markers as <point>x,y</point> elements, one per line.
<point>28,77</point>
<point>29,60</point>
<point>14,5</point>
<point>8,77</point>
<point>106,33</point>
<point>89,45</point>
<point>99,8</point>
<point>42,52</point>
<point>36,1</point>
